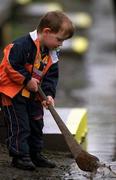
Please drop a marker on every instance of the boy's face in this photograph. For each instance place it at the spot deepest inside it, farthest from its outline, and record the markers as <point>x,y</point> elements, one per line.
<point>52,40</point>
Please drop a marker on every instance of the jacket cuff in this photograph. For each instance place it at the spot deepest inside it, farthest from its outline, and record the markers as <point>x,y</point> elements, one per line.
<point>49,93</point>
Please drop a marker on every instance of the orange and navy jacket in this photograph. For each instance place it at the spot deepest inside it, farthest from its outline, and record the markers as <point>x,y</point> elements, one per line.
<point>19,60</point>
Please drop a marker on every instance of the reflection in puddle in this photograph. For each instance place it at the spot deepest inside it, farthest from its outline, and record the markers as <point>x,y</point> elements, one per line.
<point>106,171</point>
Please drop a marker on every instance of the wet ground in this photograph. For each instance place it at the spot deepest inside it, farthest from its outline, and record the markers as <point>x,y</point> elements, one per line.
<point>89,82</point>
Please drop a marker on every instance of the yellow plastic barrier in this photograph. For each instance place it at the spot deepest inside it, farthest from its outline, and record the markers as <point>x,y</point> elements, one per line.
<point>76,121</point>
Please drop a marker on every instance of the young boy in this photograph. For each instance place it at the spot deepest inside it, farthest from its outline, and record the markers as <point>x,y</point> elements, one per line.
<point>28,62</point>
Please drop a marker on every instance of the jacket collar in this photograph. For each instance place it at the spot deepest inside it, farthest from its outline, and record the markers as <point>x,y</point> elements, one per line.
<point>34,37</point>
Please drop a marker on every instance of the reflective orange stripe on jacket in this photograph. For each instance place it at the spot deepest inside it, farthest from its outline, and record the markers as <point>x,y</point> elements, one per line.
<point>8,85</point>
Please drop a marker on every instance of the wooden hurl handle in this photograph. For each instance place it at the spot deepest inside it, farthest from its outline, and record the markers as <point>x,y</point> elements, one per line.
<point>84,160</point>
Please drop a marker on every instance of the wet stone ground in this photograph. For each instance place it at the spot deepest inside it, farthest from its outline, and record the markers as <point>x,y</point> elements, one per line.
<point>66,169</point>
<point>90,83</point>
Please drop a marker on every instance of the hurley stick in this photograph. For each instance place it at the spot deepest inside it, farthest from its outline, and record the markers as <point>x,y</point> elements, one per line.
<point>84,160</point>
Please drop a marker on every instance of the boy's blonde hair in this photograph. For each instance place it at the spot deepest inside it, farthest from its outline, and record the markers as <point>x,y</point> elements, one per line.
<point>56,21</point>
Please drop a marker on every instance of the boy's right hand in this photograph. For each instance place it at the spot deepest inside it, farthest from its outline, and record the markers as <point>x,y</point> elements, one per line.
<point>32,85</point>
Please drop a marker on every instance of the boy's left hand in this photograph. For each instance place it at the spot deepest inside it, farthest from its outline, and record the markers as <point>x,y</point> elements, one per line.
<point>50,101</point>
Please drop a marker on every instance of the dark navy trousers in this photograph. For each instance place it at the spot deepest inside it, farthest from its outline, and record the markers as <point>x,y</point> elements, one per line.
<point>24,121</point>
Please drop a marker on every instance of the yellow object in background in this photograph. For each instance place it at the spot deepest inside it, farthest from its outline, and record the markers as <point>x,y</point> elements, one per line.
<point>54,6</point>
<point>80,45</point>
<point>77,123</point>
<point>75,120</point>
<point>83,20</point>
<point>22,2</point>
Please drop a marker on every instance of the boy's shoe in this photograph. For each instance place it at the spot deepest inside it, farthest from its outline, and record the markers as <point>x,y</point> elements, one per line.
<point>40,161</point>
<point>24,163</point>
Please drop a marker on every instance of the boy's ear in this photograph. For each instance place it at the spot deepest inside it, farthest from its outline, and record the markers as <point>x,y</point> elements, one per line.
<point>46,30</point>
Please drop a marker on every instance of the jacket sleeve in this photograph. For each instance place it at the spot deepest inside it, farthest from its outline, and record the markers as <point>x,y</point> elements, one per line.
<point>50,80</point>
<point>16,65</point>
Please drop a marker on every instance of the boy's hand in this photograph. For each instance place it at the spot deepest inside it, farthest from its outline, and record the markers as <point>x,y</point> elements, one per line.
<point>50,101</point>
<point>32,85</point>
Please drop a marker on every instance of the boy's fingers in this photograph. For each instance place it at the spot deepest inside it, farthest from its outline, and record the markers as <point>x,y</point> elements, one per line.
<point>44,104</point>
<point>48,102</point>
<point>37,81</point>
